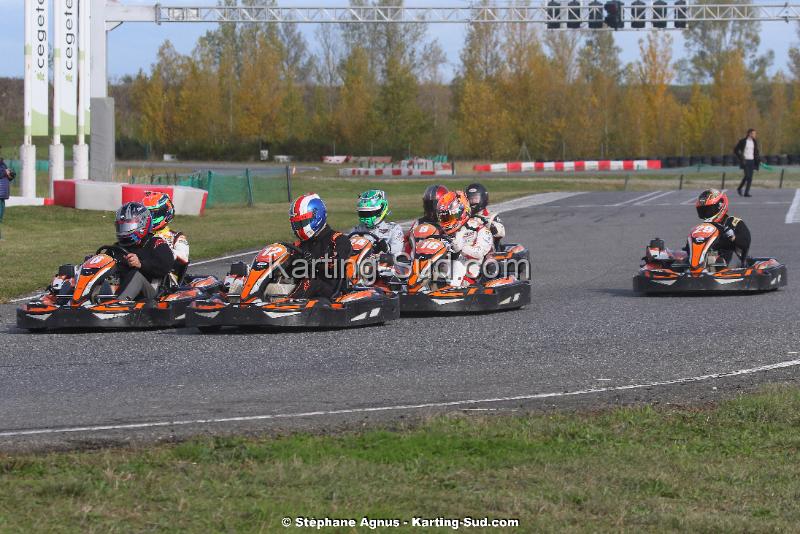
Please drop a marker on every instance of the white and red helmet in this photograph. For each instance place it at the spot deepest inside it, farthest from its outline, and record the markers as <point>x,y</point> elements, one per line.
<point>308,216</point>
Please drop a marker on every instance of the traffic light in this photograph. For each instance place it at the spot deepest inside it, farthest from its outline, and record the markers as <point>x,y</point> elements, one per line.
<point>553,14</point>
<point>595,15</point>
<point>659,14</point>
<point>638,14</point>
<point>680,14</point>
<point>614,15</point>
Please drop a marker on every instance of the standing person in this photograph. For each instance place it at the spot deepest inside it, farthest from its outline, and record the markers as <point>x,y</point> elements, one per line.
<point>6,175</point>
<point>749,160</point>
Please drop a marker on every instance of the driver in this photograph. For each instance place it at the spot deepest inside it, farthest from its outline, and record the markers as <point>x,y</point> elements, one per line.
<point>471,238</point>
<point>162,211</point>
<point>317,241</point>
<point>478,198</point>
<point>430,199</point>
<point>373,207</point>
<point>712,207</point>
<point>149,257</point>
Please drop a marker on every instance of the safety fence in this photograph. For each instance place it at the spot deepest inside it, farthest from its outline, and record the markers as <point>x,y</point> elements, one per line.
<point>230,189</point>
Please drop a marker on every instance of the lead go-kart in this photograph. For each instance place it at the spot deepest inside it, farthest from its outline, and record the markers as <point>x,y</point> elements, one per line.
<point>260,295</point>
<point>86,298</point>
<point>700,268</point>
<point>503,284</point>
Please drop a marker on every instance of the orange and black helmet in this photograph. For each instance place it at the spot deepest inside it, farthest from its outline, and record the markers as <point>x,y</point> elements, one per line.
<point>452,211</point>
<point>161,208</point>
<point>712,205</point>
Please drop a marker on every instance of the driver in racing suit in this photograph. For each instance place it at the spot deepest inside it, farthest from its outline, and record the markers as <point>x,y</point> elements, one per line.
<point>149,257</point>
<point>430,200</point>
<point>322,248</point>
<point>471,239</point>
<point>163,211</point>
<point>478,197</point>
<point>373,207</point>
<point>712,207</point>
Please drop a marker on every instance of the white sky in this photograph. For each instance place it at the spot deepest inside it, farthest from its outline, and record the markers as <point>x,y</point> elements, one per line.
<point>133,46</point>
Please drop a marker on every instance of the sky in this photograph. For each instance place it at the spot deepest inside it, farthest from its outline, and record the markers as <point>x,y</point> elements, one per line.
<point>133,46</point>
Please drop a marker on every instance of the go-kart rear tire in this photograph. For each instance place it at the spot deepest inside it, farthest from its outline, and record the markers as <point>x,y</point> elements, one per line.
<point>210,329</point>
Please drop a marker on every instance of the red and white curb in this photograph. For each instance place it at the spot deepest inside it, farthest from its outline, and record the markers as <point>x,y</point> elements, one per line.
<point>568,166</point>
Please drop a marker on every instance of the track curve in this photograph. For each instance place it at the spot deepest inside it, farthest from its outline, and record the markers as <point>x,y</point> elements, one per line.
<point>585,330</point>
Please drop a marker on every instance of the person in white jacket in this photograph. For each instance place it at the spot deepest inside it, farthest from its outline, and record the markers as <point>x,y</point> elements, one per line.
<point>471,239</point>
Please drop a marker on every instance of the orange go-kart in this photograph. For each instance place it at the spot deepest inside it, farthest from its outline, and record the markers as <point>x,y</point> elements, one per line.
<point>700,268</point>
<point>85,298</point>
<point>427,290</point>
<point>259,295</point>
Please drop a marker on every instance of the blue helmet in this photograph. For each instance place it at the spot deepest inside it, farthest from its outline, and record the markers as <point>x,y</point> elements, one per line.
<point>308,216</point>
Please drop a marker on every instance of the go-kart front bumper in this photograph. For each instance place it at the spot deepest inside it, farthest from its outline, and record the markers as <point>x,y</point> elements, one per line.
<point>743,279</point>
<point>472,299</point>
<point>41,316</point>
<point>375,308</point>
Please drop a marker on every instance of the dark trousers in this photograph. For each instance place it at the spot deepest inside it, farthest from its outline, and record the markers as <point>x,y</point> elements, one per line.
<point>747,180</point>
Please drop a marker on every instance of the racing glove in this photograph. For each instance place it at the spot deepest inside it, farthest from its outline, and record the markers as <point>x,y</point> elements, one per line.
<point>729,233</point>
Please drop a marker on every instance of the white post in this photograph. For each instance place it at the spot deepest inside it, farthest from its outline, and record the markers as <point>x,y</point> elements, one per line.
<point>27,152</point>
<point>101,164</point>
<point>57,149</point>
<point>80,152</point>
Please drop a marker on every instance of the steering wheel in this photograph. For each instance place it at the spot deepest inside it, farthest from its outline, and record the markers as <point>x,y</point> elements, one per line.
<point>115,251</point>
<point>374,238</point>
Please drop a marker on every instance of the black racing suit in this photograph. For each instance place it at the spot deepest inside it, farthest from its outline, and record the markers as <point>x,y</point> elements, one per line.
<point>328,277</point>
<point>157,260</point>
<point>740,243</point>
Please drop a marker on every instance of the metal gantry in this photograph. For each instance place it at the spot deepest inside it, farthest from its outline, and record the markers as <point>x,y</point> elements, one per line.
<point>580,12</point>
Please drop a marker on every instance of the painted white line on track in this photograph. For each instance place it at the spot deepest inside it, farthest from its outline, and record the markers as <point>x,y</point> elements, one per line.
<point>643,202</point>
<point>793,215</point>
<point>637,199</point>
<point>374,409</point>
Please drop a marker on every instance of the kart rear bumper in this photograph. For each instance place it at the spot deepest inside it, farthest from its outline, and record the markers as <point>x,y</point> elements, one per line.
<point>475,299</point>
<point>34,316</point>
<point>376,309</point>
<point>733,280</point>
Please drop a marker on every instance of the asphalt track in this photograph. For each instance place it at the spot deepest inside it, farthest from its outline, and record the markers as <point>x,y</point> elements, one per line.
<point>586,341</point>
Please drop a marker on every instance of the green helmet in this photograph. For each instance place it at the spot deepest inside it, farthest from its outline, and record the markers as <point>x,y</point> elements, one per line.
<point>372,207</point>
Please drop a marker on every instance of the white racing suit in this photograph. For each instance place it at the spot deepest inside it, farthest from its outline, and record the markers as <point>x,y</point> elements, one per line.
<point>389,232</point>
<point>470,244</point>
<point>180,250</point>
<point>496,226</point>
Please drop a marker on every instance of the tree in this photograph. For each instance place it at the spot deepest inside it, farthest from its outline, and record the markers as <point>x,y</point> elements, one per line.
<point>709,43</point>
<point>600,71</point>
<point>733,108</point>
<point>696,122</point>
<point>355,118</point>
<point>482,119</point>
<point>660,109</point>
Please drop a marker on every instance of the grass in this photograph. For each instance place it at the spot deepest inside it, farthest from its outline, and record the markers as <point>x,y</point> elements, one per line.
<point>731,468</point>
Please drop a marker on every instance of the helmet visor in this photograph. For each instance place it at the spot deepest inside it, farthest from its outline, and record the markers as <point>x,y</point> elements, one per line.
<point>369,216</point>
<point>707,212</point>
<point>127,227</point>
<point>474,198</point>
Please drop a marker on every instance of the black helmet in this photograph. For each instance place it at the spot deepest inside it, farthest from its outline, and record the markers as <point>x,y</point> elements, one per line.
<point>133,222</point>
<point>478,197</point>
<point>430,199</point>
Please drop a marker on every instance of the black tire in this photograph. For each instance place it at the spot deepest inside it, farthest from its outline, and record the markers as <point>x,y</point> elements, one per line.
<point>210,329</point>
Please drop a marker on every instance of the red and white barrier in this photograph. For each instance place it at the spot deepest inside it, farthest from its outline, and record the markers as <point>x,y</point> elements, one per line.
<point>568,166</point>
<point>394,172</point>
<point>108,196</point>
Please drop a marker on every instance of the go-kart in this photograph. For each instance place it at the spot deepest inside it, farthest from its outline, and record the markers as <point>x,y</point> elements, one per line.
<point>511,259</point>
<point>86,298</point>
<point>259,295</point>
<point>700,268</point>
<point>427,289</point>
